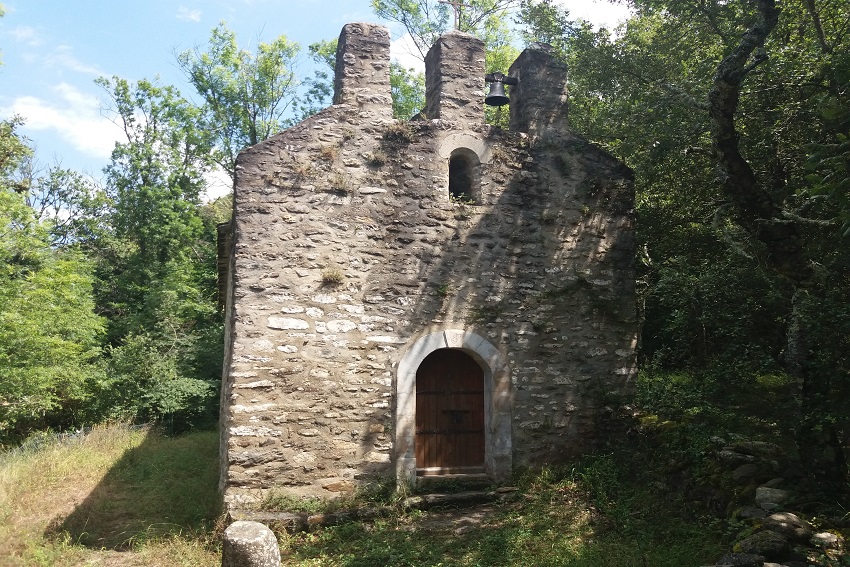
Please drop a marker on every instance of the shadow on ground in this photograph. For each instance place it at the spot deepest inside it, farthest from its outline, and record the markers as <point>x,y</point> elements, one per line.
<point>163,487</point>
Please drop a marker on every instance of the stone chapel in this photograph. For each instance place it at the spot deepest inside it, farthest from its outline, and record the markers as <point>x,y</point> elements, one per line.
<point>434,297</point>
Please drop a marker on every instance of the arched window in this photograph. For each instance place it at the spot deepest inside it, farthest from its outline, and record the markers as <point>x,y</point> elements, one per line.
<point>463,175</point>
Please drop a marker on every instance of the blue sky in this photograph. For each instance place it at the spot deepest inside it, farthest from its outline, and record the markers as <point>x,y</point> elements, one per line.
<point>53,50</point>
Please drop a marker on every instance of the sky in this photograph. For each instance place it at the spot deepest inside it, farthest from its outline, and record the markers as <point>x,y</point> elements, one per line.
<point>53,50</point>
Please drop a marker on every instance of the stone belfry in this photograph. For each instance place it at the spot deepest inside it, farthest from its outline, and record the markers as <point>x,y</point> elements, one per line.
<point>426,298</point>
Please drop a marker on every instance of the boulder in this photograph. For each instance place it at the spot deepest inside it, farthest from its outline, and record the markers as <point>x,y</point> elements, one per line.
<point>771,498</point>
<point>745,473</point>
<point>789,525</point>
<point>249,544</point>
<point>770,545</point>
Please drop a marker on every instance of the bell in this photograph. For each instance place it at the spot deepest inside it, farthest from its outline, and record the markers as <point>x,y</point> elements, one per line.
<point>497,96</point>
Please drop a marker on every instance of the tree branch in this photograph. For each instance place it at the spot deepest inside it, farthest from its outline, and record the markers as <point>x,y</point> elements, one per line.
<point>756,210</point>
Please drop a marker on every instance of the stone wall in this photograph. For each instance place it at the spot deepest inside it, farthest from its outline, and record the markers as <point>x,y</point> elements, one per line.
<point>347,251</point>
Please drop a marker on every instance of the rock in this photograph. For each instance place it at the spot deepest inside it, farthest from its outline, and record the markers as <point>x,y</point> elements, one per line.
<point>761,449</point>
<point>340,486</point>
<point>734,459</point>
<point>740,560</point>
<point>789,525</point>
<point>827,540</point>
<point>750,513</point>
<point>770,498</point>
<point>249,544</point>
<point>745,473</point>
<point>768,544</point>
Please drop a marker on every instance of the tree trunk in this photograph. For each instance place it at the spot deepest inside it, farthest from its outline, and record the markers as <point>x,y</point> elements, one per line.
<point>784,242</point>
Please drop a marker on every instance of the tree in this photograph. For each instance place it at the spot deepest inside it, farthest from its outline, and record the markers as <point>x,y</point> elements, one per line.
<point>49,332</point>
<point>408,91</point>
<point>740,267</point>
<point>320,87</point>
<point>785,235</point>
<point>156,264</point>
<point>246,95</point>
<point>426,20</point>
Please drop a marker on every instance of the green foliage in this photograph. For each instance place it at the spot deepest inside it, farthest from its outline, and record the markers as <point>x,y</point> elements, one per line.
<point>71,205</point>
<point>716,306</point>
<point>320,87</point>
<point>408,91</point>
<point>829,158</point>
<point>49,344</point>
<point>49,332</point>
<point>425,21</point>
<point>246,95</point>
<point>156,263</point>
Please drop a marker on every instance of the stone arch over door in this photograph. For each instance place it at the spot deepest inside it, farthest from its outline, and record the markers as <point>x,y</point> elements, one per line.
<point>498,451</point>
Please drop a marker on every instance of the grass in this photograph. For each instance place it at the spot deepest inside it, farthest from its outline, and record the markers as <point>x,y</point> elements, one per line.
<point>120,497</point>
<point>117,496</point>
<point>553,520</point>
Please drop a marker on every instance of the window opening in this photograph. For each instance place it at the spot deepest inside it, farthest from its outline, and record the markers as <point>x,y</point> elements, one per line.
<point>463,165</point>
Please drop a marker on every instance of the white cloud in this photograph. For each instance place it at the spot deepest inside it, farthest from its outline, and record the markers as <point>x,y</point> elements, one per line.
<point>64,57</point>
<point>73,115</point>
<point>404,51</point>
<point>26,35</point>
<point>187,15</point>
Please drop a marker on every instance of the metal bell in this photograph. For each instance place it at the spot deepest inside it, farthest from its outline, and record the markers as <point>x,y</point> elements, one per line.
<point>497,96</point>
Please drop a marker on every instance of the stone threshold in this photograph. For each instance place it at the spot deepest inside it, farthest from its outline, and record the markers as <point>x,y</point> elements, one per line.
<point>305,521</point>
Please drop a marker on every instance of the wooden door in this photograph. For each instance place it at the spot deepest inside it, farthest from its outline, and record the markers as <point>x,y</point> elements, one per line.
<point>449,413</point>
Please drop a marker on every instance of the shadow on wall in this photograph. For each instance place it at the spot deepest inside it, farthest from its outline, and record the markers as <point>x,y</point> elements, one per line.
<point>165,486</point>
<point>540,264</point>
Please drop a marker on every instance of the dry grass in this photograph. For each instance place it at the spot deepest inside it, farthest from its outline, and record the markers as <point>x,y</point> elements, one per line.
<point>116,496</point>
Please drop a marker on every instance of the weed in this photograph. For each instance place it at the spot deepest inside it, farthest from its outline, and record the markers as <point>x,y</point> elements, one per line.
<point>328,152</point>
<point>332,276</point>
<point>302,169</point>
<point>549,216</point>
<point>398,134</point>
<point>462,205</point>
<point>442,290</point>
<point>376,158</point>
<point>338,183</point>
<point>116,487</point>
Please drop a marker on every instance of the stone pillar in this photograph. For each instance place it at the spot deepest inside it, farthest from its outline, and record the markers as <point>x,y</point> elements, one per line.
<point>362,76</point>
<point>539,102</point>
<point>249,544</point>
<point>454,78</point>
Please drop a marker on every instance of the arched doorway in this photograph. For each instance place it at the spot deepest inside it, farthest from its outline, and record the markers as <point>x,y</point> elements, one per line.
<point>449,414</point>
<point>498,452</point>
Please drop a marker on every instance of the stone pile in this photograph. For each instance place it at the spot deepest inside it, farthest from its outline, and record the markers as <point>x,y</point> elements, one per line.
<point>774,534</point>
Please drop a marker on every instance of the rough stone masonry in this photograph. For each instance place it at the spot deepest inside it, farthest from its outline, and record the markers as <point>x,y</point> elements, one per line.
<point>362,246</point>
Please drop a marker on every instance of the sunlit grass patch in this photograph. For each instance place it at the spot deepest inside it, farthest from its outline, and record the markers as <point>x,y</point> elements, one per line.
<point>68,501</point>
